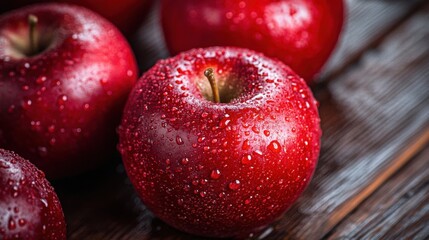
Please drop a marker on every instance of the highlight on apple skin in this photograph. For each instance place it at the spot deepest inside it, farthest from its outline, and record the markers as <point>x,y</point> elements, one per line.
<point>220,168</point>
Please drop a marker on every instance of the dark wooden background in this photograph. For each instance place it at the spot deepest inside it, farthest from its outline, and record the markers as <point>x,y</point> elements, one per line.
<point>372,180</point>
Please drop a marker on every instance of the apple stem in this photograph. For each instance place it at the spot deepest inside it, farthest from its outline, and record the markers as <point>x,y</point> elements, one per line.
<point>32,22</point>
<point>209,73</point>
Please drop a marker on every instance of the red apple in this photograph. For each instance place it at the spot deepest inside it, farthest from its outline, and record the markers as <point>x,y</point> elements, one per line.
<point>63,83</point>
<point>29,207</point>
<point>220,169</point>
<point>301,33</point>
<point>127,15</point>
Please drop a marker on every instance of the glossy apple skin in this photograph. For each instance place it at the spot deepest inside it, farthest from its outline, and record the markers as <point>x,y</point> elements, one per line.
<point>220,169</point>
<point>127,15</point>
<point>60,108</point>
<point>301,33</point>
<point>29,206</point>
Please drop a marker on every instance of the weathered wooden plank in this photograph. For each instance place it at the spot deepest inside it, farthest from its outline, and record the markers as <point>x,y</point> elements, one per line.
<point>367,24</point>
<point>397,210</point>
<point>368,117</point>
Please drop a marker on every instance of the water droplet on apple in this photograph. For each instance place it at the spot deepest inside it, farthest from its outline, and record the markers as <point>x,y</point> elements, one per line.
<point>224,122</point>
<point>246,145</point>
<point>234,185</point>
<point>11,225</point>
<point>215,174</point>
<point>179,140</point>
<point>184,161</point>
<point>204,114</point>
<point>203,193</point>
<point>255,129</point>
<point>274,146</point>
<point>40,80</point>
<point>27,103</point>
<point>4,165</point>
<point>267,133</point>
<point>62,99</point>
<point>246,159</point>
<point>22,222</point>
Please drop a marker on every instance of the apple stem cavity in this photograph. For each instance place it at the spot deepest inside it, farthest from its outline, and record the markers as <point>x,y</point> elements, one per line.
<point>209,73</point>
<point>32,22</point>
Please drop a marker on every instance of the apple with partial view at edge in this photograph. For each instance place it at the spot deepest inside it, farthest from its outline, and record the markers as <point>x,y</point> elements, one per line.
<point>301,33</point>
<point>29,206</point>
<point>65,74</point>
<point>220,141</point>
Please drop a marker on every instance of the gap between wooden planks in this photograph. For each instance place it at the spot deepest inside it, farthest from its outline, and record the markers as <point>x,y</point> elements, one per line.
<point>410,151</point>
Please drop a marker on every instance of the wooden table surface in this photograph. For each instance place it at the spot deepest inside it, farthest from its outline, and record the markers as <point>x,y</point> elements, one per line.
<point>372,180</point>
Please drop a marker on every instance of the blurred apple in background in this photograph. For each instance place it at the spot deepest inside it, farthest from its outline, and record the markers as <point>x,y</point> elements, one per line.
<point>301,33</point>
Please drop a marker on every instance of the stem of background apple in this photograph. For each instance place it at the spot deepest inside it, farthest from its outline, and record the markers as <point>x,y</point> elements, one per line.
<point>209,73</point>
<point>32,22</point>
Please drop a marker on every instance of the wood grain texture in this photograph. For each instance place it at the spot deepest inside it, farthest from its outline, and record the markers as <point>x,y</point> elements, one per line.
<point>374,117</point>
<point>369,116</point>
<point>397,210</point>
<point>367,23</point>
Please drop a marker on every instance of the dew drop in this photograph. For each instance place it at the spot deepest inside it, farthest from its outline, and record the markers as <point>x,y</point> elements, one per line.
<point>246,159</point>
<point>184,161</point>
<point>255,129</point>
<point>40,80</point>
<point>4,165</point>
<point>224,122</point>
<point>215,174</point>
<point>204,114</point>
<point>11,225</point>
<point>22,222</point>
<point>274,146</point>
<point>179,140</point>
<point>266,133</point>
<point>246,145</point>
<point>235,185</point>
<point>62,99</point>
